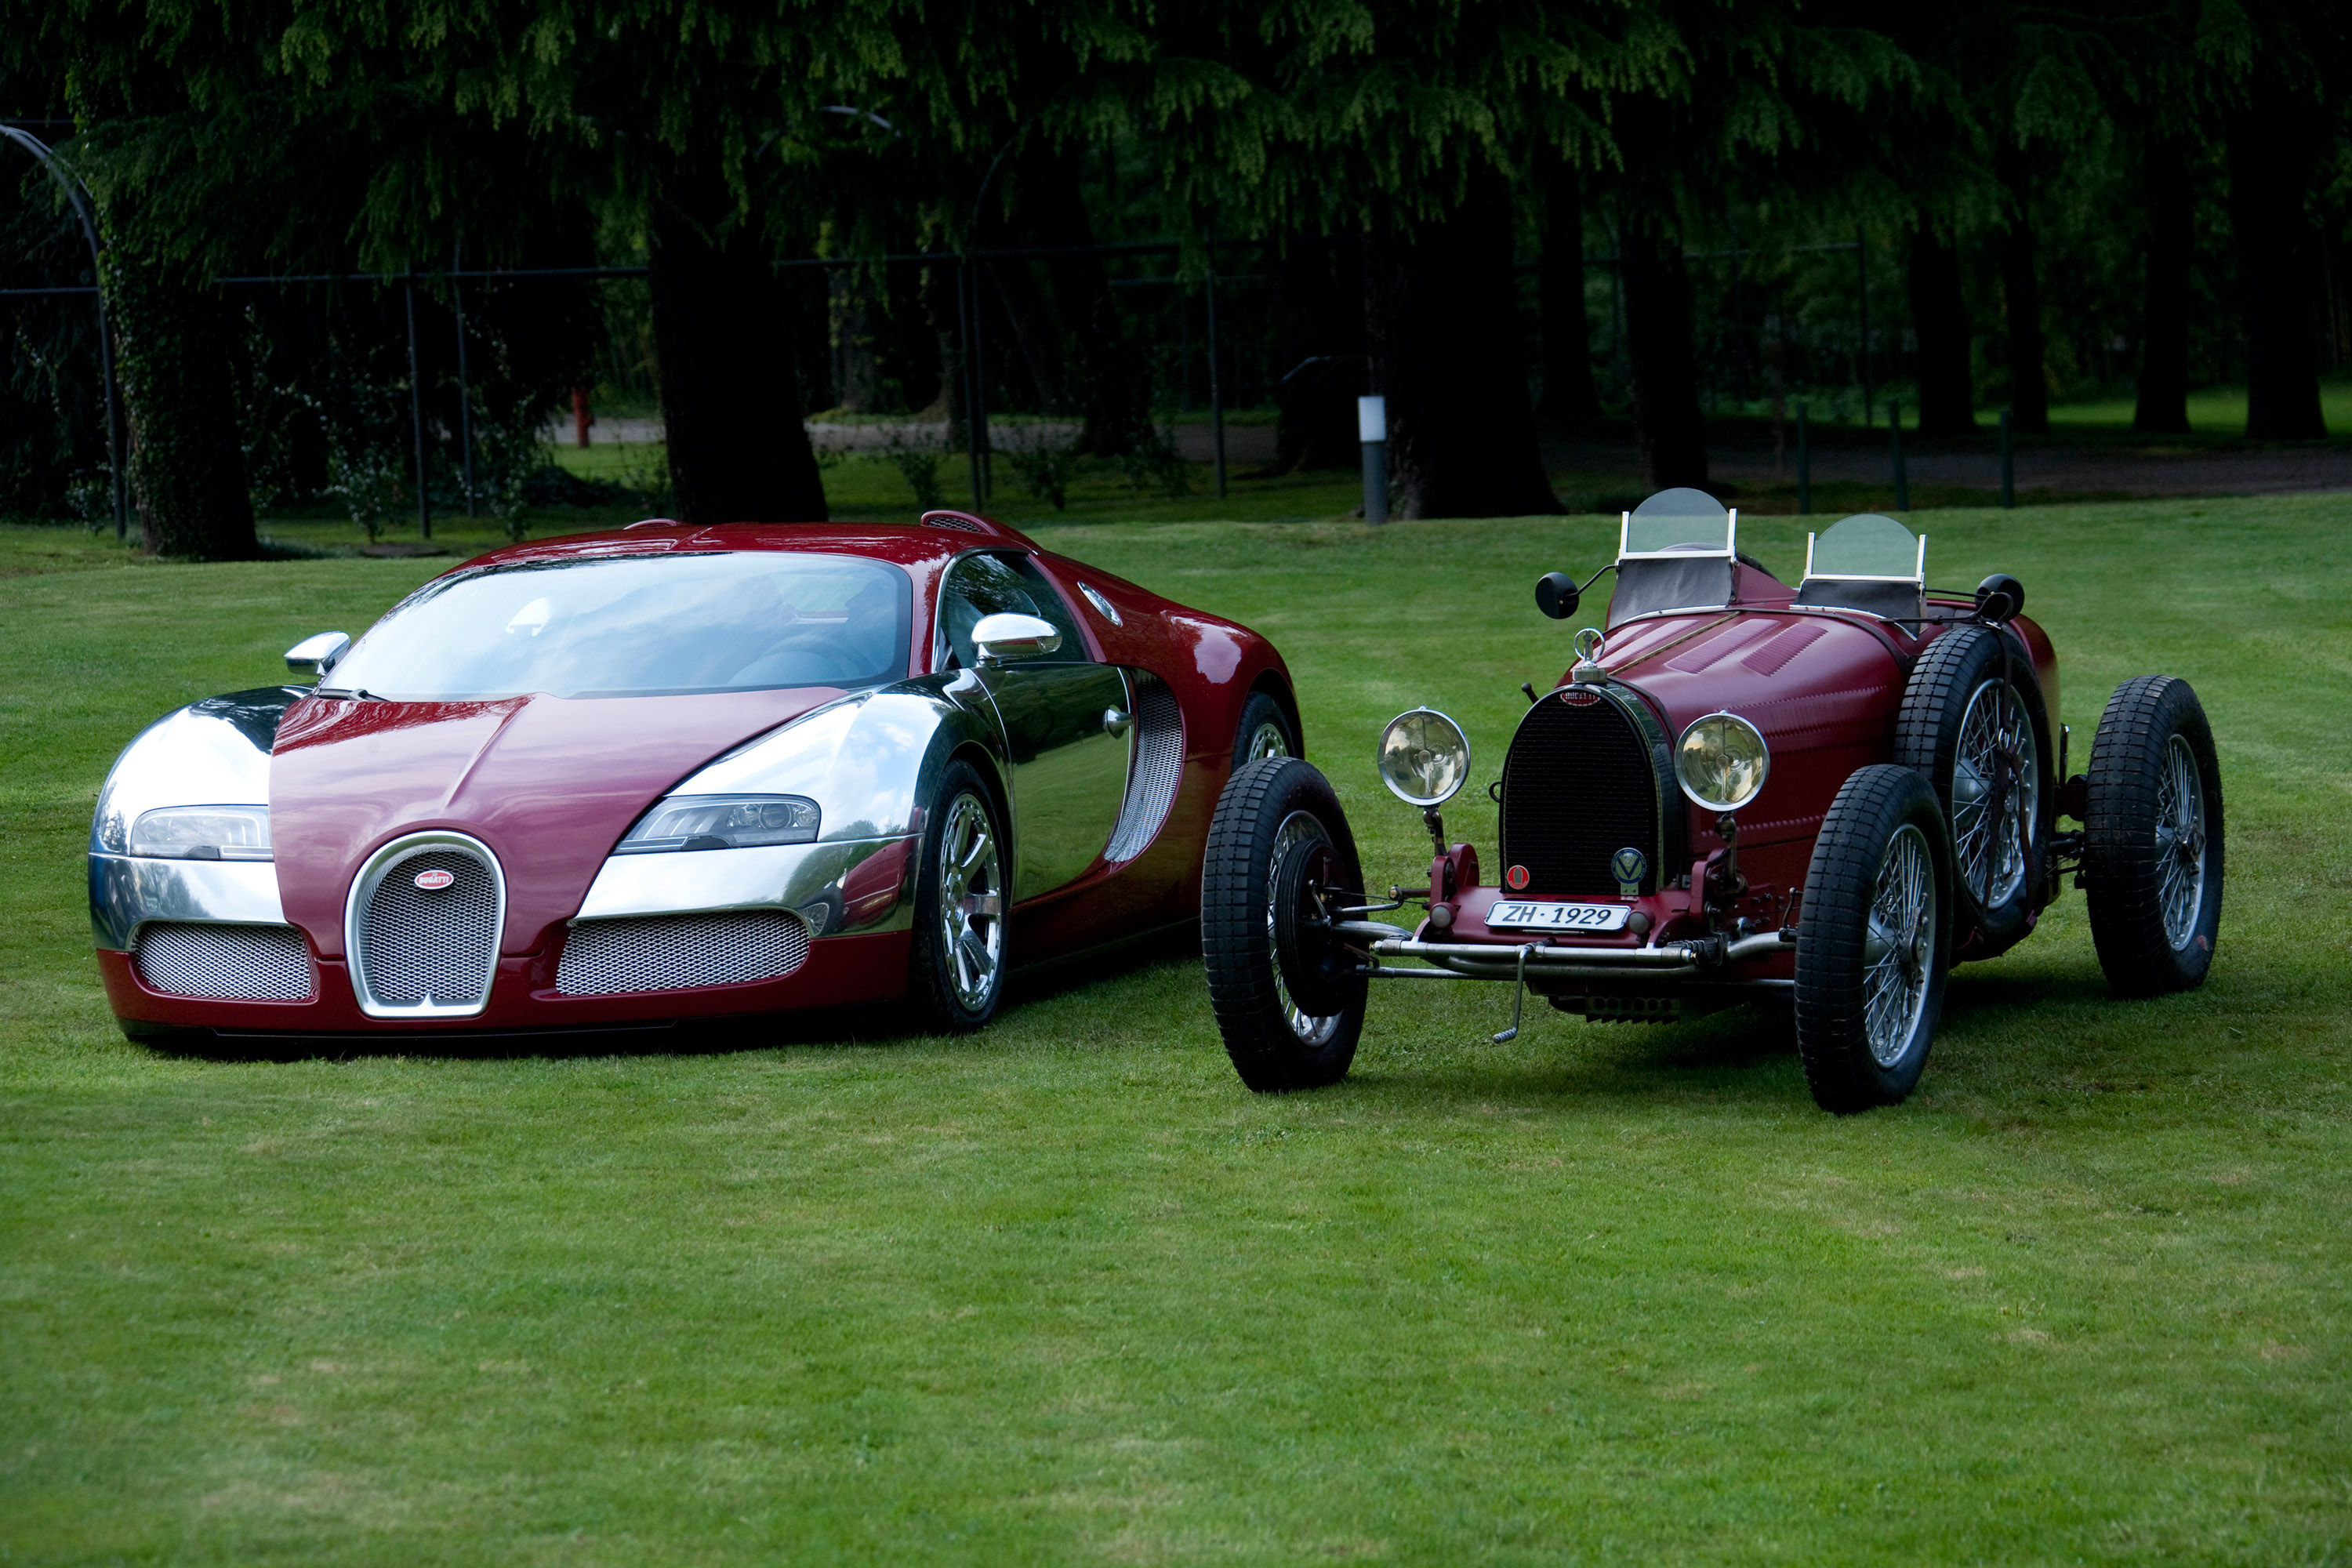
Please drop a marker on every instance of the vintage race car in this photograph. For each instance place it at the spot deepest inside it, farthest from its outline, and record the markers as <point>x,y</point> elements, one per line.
<point>677,771</point>
<point>1822,796</point>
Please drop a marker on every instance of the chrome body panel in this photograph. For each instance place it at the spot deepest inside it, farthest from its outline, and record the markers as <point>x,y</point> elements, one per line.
<point>212,752</point>
<point>126,893</point>
<point>798,876</point>
<point>1069,765</point>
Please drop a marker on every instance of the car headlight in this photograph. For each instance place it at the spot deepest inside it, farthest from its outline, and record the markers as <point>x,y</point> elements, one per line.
<point>1722,762</point>
<point>1423,757</point>
<point>722,822</point>
<point>202,832</point>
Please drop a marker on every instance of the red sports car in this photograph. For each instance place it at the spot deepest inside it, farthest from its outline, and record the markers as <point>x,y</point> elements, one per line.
<point>1822,796</point>
<point>679,772</point>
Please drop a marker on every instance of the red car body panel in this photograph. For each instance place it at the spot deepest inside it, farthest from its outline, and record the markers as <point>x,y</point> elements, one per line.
<point>549,784</point>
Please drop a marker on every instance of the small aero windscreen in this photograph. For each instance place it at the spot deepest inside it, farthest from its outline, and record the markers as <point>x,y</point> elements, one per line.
<point>1675,552</point>
<point>639,626</point>
<point>1866,563</point>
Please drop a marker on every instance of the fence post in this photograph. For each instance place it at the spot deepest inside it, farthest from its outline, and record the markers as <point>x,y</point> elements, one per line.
<point>465,390</point>
<point>1895,435</point>
<point>416,414</point>
<point>1372,430</point>
<point>1861,271</point>
<point>2008,465</point>
<point>1216,388</point>
<point>963,341</point>
<point>1804,464</point>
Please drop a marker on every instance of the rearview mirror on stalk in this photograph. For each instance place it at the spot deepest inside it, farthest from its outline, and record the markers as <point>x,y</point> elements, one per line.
<point>1557,595</point>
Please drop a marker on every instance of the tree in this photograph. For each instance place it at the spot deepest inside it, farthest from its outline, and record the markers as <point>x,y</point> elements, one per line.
<point>1940,316</point>
<point>1567,390</point>
<point>2162,407</point>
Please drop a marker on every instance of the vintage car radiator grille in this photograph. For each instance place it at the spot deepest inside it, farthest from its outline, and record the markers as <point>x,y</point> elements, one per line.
<point>440,944</point>
<point>1159,765</point>
<point>670,953</point>
<point>247,964</point>
<point>1582,782</point>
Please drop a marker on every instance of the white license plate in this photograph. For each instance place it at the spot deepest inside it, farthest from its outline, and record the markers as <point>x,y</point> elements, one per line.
<point>1559,917</point>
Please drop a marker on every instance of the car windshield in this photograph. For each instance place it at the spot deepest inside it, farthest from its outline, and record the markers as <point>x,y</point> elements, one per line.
<point>639,626</point>
<point>1678,520</point>
<point>1865,545</point>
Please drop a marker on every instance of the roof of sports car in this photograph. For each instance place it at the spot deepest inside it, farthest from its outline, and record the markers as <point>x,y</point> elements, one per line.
<point>905,544</point>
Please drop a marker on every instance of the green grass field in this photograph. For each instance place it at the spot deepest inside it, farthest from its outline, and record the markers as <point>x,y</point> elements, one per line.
<point>1065,1291</point>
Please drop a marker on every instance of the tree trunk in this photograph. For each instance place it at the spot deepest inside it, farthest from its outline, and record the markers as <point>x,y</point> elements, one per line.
<point>187,468</point>
<point>1567,390</point>
<point>2270,177</point>
<point>738,450</point>
<point>1940,315</point>
<point>1318,353</point>
<point>1668,427</point>
<point>2164,311</point>
<point>1443,336</point>
<point>2021,288</point>
<point>1110,386</point>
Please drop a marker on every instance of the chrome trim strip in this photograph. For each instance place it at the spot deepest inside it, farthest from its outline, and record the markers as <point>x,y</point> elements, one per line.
<point>776,876</point>
<point>127,892</point>
<point>363,886</point>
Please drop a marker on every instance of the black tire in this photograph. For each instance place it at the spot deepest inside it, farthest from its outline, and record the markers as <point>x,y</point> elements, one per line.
<point>1278,824</point>
<point>2155,894</point>
<point>940,968</point>
<point>1863,1028</point>
<point>1263,725</point>
<point>1958,671</point>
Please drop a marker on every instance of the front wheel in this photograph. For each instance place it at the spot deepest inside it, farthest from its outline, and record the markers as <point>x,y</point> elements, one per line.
<point>2152,839</point>
<point>957,969</point>
<point>1280,862</point>
<point>1873,940</point>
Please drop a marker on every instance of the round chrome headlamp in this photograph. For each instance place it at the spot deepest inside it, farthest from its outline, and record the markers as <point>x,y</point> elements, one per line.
<point>1423,757</point>
<point>1722,762</point>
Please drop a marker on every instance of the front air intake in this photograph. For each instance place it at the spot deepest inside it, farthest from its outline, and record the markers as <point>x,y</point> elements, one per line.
<point>1589,774</point>
<point>673,952</point>
<point>423,927</point>
<point>233,962</point>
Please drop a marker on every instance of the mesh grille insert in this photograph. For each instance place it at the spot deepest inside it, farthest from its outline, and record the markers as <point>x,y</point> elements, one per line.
<point>671,952</point>
<point>442,945</point>
<point>1159,765</point>
<point>251,963</point>
<point>1579,786</point>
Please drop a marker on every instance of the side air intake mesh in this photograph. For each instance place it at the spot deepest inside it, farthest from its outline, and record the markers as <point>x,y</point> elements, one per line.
<point>671,952</point>
<point>440,943</point>
<point>1582,783</point>
<point>249,963</point>
<point>1159,765</point>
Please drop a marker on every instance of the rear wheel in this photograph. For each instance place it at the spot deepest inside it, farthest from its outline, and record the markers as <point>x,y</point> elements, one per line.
<point>1280,861</point>
<point>1265,730</point>
<point>1873,940</point>
<point>956,972</point>
<point>2152,839</point>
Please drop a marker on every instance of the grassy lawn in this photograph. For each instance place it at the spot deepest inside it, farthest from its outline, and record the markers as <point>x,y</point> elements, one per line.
<point>1065,1291</point>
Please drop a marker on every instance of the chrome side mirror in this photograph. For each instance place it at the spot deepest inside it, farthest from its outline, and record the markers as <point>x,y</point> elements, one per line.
<point>1003,638</point>
<point>315,656</point>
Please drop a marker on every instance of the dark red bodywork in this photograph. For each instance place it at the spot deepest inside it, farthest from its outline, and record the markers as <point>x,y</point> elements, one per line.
<point>551,784</point>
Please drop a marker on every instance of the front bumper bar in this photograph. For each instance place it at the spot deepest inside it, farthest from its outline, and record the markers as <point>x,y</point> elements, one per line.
<point>1490,961</point>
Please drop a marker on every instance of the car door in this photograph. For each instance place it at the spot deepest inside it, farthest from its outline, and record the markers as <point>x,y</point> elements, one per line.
<point>1064,718</point>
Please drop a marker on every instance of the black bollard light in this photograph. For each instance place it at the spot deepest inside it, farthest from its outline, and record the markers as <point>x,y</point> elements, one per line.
<point>1372,430</point>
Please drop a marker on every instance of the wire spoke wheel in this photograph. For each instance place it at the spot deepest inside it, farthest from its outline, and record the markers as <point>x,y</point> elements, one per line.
<point>1899,950</point>
<point>1267,740</point>
<point>2179,842</point>
<point>972,901</point>
<point>1996,793</point>
<point>1298,833</point>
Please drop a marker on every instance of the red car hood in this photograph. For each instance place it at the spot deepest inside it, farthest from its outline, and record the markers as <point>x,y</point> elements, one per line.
<point>549,783</point>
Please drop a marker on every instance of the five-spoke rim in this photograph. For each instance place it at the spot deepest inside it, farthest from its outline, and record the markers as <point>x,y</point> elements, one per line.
<point>972,901</point>
<point>1267,740</point>
<point>1298,828</point>
<point>1997,756</point>
<point>1898,954</point>
<point>2179,842</point>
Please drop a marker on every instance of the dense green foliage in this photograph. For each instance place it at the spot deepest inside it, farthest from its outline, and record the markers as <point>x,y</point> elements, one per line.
<point>1066,1291</point>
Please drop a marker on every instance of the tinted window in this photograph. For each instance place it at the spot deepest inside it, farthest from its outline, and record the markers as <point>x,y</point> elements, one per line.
<point>980,585</point>
<point>640,625</point>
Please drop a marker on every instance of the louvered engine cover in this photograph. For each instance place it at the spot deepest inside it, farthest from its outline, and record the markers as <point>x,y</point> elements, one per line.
<point>1591,772</point>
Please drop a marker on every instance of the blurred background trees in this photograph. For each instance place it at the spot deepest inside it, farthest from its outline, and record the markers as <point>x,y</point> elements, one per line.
<point>1509,217</point>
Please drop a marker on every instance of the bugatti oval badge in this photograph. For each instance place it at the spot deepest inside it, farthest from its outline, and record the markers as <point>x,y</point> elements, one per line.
<point>1629,865</point>
<point>1579,695</point>
<point>434,880</point>
<point>1516,876</point>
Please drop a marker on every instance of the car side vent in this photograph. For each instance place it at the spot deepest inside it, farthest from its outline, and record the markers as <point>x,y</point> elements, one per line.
<point>1158,767</point>
<point>673,953</point>
<point>1589,773</point>
<point>236,963</point>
